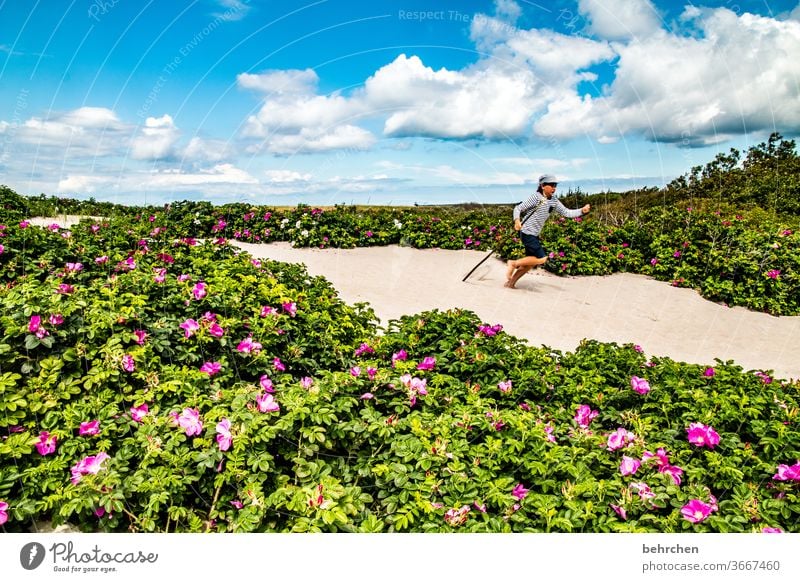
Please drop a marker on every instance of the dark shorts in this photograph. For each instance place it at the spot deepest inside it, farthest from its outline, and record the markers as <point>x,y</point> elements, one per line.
<point>533,246</point>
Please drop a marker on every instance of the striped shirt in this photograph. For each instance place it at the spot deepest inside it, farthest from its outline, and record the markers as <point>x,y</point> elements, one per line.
<point>533,224</point>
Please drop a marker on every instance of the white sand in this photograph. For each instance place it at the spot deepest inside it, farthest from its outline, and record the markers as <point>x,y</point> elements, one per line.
<point>554,311</point>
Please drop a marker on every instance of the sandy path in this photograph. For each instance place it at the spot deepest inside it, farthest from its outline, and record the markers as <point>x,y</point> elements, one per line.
<point>555,311</point>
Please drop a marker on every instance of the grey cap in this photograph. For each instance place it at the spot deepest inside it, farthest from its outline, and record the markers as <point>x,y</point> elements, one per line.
<point>547,178</point>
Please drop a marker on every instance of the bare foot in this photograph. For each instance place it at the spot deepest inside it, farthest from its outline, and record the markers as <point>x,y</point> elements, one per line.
<point>510,270</point>
<point>508,284</point>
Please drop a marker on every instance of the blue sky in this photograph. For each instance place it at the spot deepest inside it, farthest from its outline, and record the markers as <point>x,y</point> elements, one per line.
<point>386,102</point>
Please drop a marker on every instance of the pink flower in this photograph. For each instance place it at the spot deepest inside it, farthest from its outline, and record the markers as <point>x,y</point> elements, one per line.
<point>266,383</point>
<point>696,511</point>
<point>455,517</point>
<point>674,472</point>
<point>290,308</point>
<point>629,466</point>
<point>774,273</point>
<point>620,511</point>
<point>101,260</point>
<point>787,473</point>
<point>428,363</point>
<point>89,428</point>
<point>74,267</point>
<point>505,387</point>
<point>189,420</point>
<point>525,406</point>
<point>88,466</point>
<point>640,385</point>
<point>399,356</point>
<point>47,443</point>
<point>355,371</point>
<point>519,491</point>
<point>480,506</point>
<point>363,349</point>
<point>3,509</point>
<point>709,373</point>
<point>763,529</point>
<point>211,368</point>
<point>128,363</point>
<point>619,438</point>
<point>24,224</point>
<point>306,382</point>
<point>643,490</point>
<point>34,323</point>
<point>139,412</point>
<point>224,436</point>
<point>237,504</point>
<point>247,346</point>
<point>189,326</point>
<point>199,290</point>
<point>65,289</point>
<point>2,249</point>
<point>266,403</point>
<point>584,415</point>
<point>367,396</point>
<point>660,456</point>
<point>215,329</point>
<point>702,435</point>
<point>140,335</point>
<point>161,275</point>
<point>278,365</point>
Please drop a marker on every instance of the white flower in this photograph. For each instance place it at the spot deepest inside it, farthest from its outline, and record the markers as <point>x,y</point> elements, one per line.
<point>304,232</point>
<point>298,224</point>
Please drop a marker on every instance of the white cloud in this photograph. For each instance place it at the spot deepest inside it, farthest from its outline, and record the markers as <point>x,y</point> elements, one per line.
<point>294,119</point>
<point>81,184</point>
<point>234,10</point>
<point>286,176</point>
<point>157,139</point>
<point>218,174</point>
<point>87,131</point>
<point>475,102</point>
<point>205,150</point>
<point>621,19</point>
<point>507,10</point>
<point>280,82</point>
<point>734,75</point>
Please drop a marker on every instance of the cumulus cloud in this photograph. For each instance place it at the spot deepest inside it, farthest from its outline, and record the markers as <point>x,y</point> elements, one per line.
<point>89,131</point>
<point>620,19</point>
<point>157,139</point>
<point>295,119</point>
<point>731,76</point>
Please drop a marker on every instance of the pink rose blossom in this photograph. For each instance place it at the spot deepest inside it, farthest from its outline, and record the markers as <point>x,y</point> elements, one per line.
<point>199,290</point>
<point>306,382</point>
<point>189,326</point>
<point>3,509</point>
<point>696,511</point>
<point>140,336</point>
<point>702,435</point>
<point>89,428</point>
<point>224,436</point>
<point>619,439</point>
<point>266,383</point>
<point>629,466</point>
<point>519,491</point>
<point>139,412</point>
<point>584,415</point>
<point>47,443</point>
<point>428,363</point>
<point>505,387</point>
<point>128,363</point>
<point>88,466</point>
<point>189,420</point>
<point>211,368</point>
<point>787,473</point>
<point>278,365</point>
<point>640,385</point>
<point>620,511</point>
<point>266,403</point>
<point>399,356</point>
